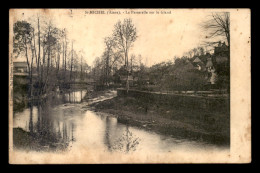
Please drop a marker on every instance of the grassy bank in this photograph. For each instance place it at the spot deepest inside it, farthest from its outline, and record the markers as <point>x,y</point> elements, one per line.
<point>212,127</point>
<point>19,95</point>
<point>31,141</point>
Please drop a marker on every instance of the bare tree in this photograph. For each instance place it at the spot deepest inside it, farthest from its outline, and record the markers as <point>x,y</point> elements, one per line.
<point>124,35</point>
<point>50,39</point>
<point>39,46</point>
<point>64,50</point>
<point>44,46</point>
<point>57,58</point>
<point>110,43</point>
<point>218,25</point>
<point>71,64</point>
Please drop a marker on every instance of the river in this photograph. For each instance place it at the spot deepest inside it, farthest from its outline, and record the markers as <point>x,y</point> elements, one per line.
<point>66,123</point>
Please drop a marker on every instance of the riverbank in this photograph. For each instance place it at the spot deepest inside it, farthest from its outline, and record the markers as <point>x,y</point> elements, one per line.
<point>28,141</point>
<point>211,127</point>
<point>94,94</point>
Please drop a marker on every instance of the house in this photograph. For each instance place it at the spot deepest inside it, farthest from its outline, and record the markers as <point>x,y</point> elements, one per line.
<point>20,67</point>
<point>197,60</point>
<point>221,54</point>
<point>212,71</point>
<point>209,64</point>
<point>189,66</point>
<point>222,49</point>
<point>219,58</point>
<point>199,64</point>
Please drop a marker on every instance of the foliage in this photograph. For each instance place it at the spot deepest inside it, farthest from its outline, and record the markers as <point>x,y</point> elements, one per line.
<point>178,76</point>
<point>114,61</point>
<point>126,143</point>
<point>22,36</point>
<point>48,57</point>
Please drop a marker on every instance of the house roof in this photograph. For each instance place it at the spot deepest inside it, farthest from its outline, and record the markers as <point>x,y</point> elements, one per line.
<point>20,64</point>
<point>189,66</point>
<point>197,60</point>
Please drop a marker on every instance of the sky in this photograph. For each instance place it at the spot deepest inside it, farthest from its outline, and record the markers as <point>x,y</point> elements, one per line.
<point>160,36</point>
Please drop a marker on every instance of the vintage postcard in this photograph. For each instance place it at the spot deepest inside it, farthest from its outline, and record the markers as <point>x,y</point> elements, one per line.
<point>129,86</point>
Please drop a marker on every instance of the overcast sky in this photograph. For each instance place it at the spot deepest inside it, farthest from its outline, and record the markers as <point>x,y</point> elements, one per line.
<point>160,36</point>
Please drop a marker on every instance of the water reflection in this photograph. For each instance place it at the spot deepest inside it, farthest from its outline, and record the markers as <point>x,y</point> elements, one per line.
<point>127,142</point>
<point>107,134</point>
<point>117,139</point>
<point>63,125</point>
<point>74,96</point>
<point>49,127</point>
<point>49,132</point>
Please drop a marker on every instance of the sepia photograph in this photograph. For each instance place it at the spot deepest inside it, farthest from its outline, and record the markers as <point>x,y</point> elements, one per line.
<point>129,86</point>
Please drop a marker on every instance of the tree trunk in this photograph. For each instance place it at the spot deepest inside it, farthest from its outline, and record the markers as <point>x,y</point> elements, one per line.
<point>65,60</point>
<point>127,81</point>
<point>48,62</point>
<point>28,64</point>
<point>63,56</point>
<point>58,62</point>
<point>71,62</point>
<point>39,59</point>
<point>34,45</point>
<point>31,77</point>
<point>39,43</point>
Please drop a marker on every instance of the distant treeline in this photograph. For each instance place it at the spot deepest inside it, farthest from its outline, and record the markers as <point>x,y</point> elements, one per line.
<point>192,72</point>
<point>198,69</point>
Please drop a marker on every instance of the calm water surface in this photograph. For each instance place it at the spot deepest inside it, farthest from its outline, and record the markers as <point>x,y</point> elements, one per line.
<point>71,125</point>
